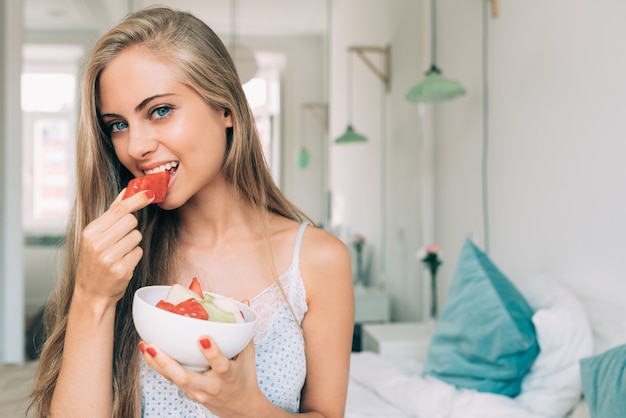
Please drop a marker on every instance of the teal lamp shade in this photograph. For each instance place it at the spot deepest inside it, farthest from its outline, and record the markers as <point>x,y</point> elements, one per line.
<point>435,88</point>
<point>350,136</point>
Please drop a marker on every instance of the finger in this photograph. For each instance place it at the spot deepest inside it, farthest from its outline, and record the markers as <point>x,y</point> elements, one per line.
<point>121,208</point>
<point>218,361</point>
<point>127,244</point>
<point>135,202</point>
<point>120,196</point>
<point>111,242</point>
<point>165,365</point>
<point>114,232</point>
<point>129,262</point>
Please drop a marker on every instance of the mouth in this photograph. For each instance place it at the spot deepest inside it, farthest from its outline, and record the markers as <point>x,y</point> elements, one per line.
<point>171,167</point>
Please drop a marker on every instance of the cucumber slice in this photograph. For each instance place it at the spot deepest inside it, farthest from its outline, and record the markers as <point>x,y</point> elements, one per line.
<point>215,313</point>
<point>228,304</point>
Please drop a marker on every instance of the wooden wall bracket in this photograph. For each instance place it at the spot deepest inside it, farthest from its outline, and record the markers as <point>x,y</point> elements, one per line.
<point>385,73</point>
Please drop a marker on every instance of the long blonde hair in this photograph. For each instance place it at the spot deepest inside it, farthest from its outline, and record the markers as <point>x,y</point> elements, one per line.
<point>200,60</point>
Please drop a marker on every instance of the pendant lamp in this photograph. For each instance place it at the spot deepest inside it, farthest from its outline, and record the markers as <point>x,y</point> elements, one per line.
<point>243,57</point>
<point>303,157</point>
<point>435,87</point>
<point>350,135</point>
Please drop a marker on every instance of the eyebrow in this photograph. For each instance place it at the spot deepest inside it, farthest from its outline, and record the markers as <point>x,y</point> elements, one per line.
<point>141,105</point>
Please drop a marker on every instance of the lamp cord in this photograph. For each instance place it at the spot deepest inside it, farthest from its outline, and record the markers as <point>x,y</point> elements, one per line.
<point>433,33</point>
<point>485,145</point>
<point>349,84</point>
<point>383,180</point>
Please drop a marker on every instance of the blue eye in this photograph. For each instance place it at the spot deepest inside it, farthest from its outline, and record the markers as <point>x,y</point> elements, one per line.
<point>162,111</point>
<point>118,126</point>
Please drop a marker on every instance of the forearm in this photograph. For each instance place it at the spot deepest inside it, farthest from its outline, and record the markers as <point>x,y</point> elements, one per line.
<point>84,385</point>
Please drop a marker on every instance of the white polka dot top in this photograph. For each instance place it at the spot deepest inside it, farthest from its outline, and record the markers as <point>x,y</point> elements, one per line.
<point>278,344</point>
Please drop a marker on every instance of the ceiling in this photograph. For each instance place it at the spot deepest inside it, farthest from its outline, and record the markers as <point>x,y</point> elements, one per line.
<point>251,17</point>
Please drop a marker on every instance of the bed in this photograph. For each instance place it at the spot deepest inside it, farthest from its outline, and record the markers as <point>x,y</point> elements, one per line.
<point>381,388</point>
<point>579,370</point>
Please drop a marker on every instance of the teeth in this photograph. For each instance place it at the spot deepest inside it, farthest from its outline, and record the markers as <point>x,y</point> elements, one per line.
<point>167,166</point>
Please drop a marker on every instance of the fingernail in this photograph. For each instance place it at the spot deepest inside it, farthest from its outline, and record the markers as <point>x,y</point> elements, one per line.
<point>142,347</point>
<point>151,351</point>
<point>205,343</point>
<point>149,194</point>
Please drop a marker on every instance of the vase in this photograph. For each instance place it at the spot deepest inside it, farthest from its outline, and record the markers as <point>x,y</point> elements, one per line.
<point>433,295</point>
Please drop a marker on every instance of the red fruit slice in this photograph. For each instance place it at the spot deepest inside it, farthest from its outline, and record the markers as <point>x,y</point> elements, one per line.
<point>191,308</point>
<point>156,182</point>
<point>196,286</point>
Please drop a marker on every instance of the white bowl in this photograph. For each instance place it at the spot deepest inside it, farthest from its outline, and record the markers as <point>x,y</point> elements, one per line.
<point>178,335</point>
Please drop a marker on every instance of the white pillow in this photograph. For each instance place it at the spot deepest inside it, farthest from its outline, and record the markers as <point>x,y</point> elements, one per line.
<point>608,321</point>
<point>553,386</point>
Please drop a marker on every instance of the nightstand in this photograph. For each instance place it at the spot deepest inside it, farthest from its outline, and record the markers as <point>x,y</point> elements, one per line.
<point>371,305</point>
<point>398,340</point>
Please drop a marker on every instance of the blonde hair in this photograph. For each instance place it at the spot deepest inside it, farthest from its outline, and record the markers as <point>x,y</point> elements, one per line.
<point>198,57</point>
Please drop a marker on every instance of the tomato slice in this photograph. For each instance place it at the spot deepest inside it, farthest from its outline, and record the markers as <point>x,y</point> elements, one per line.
<point>156,182</point>
<point>196,286</point>
<point>191,308</point>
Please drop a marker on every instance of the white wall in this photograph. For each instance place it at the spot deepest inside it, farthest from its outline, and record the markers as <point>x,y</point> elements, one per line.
<point>557,140</point>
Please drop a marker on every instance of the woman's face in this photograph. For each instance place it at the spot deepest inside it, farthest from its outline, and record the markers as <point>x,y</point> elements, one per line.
<point>157,123</point>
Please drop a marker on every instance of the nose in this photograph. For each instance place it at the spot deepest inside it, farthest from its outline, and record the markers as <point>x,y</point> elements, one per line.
<point>141,142</point>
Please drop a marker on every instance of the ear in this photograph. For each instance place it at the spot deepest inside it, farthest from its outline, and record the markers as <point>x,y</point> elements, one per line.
<point>228,120</point>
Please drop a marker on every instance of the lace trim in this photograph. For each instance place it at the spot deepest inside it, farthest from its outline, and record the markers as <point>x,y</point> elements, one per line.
<point>271,301</point>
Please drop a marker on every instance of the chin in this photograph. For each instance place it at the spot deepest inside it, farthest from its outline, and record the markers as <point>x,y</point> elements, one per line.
<point>168,204</point>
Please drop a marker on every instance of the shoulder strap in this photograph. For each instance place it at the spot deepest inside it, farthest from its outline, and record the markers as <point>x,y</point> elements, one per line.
<point>298,244</point>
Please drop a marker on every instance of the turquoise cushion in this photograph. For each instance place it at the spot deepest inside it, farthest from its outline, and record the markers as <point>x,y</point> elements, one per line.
<point>604,383</point>
<point>484,339</point>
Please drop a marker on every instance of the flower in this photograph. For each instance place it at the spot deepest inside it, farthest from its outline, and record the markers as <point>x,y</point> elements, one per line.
<point>430,256</point>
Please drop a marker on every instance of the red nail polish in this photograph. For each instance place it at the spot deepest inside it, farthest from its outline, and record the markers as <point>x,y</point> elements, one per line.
<point>151,351</point>
<point>149,194</point>
<point>205,343</point>
<point>142,347</point>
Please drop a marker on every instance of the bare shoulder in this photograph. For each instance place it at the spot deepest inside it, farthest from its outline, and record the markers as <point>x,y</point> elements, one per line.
<point>324,261</point>
<point>321,247</point>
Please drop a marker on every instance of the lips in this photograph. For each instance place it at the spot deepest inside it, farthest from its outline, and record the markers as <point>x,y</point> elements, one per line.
<point>171,166</point>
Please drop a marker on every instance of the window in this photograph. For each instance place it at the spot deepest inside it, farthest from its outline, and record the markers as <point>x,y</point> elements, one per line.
<point>263,93</point>
<point>49,109</point>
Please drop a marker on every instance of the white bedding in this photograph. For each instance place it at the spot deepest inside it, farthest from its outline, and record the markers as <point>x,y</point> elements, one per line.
<point>392,387</point>
<point>380,388</point>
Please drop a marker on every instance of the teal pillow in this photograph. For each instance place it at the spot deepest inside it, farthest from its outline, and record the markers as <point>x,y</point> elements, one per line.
<point>484,339</point>
<point>604,383</point>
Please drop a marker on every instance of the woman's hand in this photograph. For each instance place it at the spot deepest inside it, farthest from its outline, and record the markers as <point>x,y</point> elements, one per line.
<point>110,251</point>
<point>228,388</point>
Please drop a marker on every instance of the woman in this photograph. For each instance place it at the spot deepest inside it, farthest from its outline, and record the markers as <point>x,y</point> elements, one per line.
<point>160,92</point>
